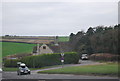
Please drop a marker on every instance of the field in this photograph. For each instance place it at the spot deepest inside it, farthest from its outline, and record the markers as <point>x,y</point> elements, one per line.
<point>63,38</point>
<point>34,39</point>
<point>9,48</point>
<point>104,69</point>
<point>0,52</point>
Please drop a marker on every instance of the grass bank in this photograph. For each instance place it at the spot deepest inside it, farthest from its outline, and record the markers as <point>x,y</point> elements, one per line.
<point>15,69</point>
<point>102,69</point>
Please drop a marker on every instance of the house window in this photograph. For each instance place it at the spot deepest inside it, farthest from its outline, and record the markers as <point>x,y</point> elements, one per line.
<point>44,47</point>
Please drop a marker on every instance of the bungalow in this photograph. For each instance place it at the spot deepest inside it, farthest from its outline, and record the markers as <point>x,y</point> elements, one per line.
<point>51,48</point>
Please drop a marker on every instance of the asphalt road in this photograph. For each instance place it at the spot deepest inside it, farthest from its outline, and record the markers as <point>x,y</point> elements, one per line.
<point>0,76</point>
<point>13,75</point>
<point>35,75</point>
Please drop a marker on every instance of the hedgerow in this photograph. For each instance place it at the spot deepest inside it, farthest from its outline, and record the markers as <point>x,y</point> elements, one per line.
<point>37,61</point>
<point>11,62</point>
<point>104,57</point>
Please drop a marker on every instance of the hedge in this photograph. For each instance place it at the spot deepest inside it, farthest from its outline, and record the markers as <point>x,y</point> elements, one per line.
<point>11,63</point>
<point>37,61</point>
<point>104,57</point>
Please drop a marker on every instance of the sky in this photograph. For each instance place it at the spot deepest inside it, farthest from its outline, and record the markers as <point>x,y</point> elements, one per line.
<point>52,18</point>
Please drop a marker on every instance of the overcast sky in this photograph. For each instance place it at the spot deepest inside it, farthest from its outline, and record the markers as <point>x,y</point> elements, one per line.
<point>56,18</point>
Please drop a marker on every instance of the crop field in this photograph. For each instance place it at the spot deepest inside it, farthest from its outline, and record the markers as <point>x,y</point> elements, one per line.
<point>35,39</point>
<point>63,38</point>
<point>0,52</point>
<point>9,48</point>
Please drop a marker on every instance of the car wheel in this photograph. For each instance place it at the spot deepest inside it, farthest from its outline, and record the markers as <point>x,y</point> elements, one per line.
<point>17,73</point>
<point>29,73</point>
<point>20,73</point>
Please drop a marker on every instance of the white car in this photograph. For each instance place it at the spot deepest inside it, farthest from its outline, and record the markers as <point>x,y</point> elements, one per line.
<point>84,57</point>
<point>23,69</point>
<point>0,69</point>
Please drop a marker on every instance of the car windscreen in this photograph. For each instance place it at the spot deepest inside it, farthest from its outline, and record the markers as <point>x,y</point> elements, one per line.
<point>84,55</point>
<point>22,66</point>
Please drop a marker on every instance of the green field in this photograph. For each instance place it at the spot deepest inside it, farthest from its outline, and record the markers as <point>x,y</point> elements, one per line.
<point>9,48</point>
<point>63,38</point>
<point>102,69</point>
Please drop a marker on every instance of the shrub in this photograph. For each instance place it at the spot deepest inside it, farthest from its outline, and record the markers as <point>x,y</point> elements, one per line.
<point>104,57</point>
<point>37,61</point>
<point>11,62</point>
<point>71,58</point>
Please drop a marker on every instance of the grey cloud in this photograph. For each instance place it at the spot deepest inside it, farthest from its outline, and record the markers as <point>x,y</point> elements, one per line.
<point>56,18</point>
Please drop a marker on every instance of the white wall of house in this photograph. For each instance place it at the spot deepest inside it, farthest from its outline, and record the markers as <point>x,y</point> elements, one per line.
<point>45,49</point>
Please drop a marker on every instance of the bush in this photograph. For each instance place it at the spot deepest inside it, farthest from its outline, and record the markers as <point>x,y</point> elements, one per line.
<point>104,57</point>
<point>71,58</point>
<point>37,61</point>
<point>11,62</point>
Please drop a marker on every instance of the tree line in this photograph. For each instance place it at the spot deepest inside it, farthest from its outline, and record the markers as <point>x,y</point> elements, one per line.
<point>100,39</point>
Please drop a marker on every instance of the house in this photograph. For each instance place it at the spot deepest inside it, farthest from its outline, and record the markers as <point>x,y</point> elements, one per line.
<point>51,48</point>
<point>44,49</point>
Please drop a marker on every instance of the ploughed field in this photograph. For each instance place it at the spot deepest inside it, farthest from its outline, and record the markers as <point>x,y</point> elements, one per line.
<point>34,39</point>
<point>29,39</point>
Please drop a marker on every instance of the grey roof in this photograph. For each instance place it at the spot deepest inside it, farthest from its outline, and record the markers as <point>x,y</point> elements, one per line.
<point>61,47</point>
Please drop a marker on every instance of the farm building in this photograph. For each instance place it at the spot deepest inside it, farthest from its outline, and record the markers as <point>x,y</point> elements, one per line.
<point>51,48</point>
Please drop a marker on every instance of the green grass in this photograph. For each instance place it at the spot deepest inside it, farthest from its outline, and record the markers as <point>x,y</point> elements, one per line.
<point>15,69</point>
<point>10,69</point>
<point>63,39</point>
<point>9,48</point>
<point>102,69</point>
<point>0,52</point>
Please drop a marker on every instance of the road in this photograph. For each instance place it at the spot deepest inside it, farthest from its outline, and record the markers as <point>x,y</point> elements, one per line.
<point>35,75</point>
<point>0,76</point>
<point>13,75</point>
<point>0,71</point>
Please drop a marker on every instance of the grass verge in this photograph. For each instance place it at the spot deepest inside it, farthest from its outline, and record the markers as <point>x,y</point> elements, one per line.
<point>15,69</point>
<point>102,69</point>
